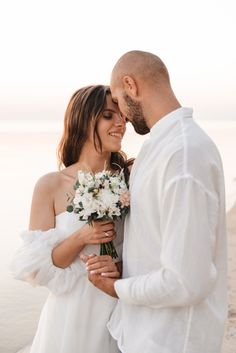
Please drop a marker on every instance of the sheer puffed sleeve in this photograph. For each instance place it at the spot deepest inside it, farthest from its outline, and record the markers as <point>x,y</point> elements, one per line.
<point>33,262</point>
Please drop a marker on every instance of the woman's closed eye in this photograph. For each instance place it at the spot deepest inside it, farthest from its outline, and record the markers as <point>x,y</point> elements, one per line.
<point>107,116</point>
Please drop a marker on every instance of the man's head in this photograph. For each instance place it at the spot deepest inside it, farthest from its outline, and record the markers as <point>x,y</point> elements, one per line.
<point>134,76</point>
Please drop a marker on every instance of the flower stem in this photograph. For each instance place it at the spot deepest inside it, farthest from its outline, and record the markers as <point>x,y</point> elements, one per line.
<point>108,249</point>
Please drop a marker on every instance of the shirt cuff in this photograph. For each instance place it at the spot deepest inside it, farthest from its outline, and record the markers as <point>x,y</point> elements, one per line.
<point>122,287</point>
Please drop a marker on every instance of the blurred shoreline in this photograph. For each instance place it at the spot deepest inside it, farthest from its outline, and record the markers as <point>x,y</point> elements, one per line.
<point>24,125</point>
<point>223,133</point>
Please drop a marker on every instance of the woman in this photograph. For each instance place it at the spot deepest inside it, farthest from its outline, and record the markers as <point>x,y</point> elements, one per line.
<point>74,317</point>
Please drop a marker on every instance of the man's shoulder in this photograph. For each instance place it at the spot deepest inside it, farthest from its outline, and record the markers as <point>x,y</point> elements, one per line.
<point>198,141</point>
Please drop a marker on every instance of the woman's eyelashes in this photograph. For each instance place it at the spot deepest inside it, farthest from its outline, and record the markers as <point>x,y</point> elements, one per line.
<point>107,116</point>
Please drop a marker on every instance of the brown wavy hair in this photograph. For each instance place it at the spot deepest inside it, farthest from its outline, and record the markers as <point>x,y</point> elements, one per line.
<point>86,106</point>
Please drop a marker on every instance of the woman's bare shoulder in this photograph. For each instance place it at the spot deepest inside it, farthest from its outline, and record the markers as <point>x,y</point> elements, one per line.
<point>42,206</point>
<point>48,182</point>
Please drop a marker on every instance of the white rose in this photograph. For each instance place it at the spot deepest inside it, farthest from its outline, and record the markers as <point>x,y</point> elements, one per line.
<point>107,197</point>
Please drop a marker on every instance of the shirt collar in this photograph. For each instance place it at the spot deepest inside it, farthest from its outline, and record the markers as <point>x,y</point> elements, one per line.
<point>167,120</point>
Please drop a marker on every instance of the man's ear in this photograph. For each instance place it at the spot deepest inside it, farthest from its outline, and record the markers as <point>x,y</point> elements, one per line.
<point>130,86</point>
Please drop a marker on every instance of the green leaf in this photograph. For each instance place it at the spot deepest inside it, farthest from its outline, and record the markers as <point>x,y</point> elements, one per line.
<point>70,208</point>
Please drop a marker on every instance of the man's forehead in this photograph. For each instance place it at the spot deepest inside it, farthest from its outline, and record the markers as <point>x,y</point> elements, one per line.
<point>115,101</point>
<point>113,93</point>
<point>114,89</point>
<point>110,103</point>
<point>112,84</point>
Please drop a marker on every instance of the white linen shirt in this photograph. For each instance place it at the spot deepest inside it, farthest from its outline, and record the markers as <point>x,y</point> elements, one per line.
<point>173,298</point>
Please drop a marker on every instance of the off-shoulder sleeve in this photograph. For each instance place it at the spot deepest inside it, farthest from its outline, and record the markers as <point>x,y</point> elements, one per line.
<point>33,262</point>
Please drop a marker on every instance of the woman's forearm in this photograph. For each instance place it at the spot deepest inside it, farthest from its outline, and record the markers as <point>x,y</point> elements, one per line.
<point>67,251</point>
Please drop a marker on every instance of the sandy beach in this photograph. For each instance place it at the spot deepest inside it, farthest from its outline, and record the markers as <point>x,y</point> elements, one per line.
<point>229,345</point>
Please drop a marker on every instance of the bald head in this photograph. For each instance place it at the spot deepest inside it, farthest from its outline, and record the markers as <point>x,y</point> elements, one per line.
<point>141,65</point>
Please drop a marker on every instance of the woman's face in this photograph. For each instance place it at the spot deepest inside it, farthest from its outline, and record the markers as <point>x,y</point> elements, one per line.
<point>111,127</point>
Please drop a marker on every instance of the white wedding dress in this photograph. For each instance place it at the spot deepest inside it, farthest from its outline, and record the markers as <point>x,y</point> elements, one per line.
<point>75,315</point>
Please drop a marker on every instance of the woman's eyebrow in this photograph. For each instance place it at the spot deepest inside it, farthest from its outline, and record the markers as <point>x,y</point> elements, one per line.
<point>109,110</point>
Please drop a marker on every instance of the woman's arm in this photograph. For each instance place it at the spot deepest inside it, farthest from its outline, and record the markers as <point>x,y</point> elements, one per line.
<point>42,217</point>
<point>66,252</point>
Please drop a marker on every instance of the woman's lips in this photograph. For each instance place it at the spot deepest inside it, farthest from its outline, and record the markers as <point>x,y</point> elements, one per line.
<point>116,134</point>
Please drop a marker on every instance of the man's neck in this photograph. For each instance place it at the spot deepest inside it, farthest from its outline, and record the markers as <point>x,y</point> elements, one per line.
<point>159,104</point>
<point>160,114</point>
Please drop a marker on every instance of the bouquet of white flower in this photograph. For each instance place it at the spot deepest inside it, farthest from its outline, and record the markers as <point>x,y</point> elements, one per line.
<point>100,196</point>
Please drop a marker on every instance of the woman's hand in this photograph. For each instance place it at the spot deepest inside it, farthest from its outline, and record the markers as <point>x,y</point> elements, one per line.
<point>101,265</point>
<point>97,233</point>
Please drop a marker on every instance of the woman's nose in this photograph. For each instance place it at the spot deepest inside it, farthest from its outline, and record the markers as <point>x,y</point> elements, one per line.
<point>120,120</point>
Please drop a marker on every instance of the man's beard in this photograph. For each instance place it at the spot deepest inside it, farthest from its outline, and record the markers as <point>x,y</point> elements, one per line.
<point>135,115</point>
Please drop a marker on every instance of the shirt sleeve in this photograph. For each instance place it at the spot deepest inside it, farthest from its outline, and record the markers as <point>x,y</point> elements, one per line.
<point>188,231</point>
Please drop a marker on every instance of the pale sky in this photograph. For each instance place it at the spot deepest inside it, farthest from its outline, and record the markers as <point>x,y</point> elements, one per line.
<point>51,48</point>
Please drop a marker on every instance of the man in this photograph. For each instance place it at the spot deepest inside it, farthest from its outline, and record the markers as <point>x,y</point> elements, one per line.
<point>172,298</point>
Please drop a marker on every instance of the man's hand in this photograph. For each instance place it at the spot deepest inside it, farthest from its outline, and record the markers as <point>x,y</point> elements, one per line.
<point>101,265</point>
<point>100,270</point>
<point>104,284</point>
